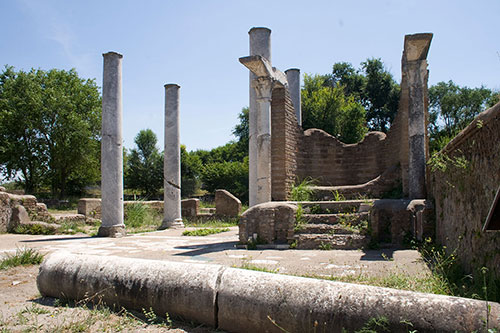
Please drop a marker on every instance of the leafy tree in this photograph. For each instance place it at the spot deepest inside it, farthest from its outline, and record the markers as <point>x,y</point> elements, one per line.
<point>191,167</point>
<point>327,108</point>
<point>145,165</point>
<point>452,108</point>
<point>49,129</point>
<point>241,130</point>
<point>231,176</point>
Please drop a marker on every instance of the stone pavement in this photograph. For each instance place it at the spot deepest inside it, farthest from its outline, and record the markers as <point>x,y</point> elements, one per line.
<point>220,248</point>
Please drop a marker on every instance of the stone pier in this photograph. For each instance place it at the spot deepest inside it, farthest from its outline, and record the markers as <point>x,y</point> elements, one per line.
<point>259,177</point>
<point>112,148</point>
<point>293,78</point>
<point>172,161</point>
<point>415,69</point>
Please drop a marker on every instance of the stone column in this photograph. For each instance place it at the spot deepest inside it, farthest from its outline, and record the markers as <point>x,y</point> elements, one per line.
<point>112,148</point>
<point>172,161</point>
<point>260,44</point>
<point>416,75</point>
<point>293,78</point>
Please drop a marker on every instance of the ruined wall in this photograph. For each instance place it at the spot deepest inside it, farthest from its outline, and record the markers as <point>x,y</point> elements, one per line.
<point>286,134</point>
<point>464,179</point>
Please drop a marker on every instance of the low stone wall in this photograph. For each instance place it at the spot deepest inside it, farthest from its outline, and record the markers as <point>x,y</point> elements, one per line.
<point>465,176</point>
<point>16,209</point>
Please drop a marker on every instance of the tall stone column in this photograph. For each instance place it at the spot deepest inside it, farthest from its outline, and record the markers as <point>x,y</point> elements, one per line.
<point>293,78</point>
<point>112,148</point>
<point>260,44</point>
<point>172,161</point>
<point>416,75</point>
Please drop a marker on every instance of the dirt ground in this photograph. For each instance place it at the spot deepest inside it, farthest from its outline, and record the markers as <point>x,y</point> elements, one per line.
<point>22,309</point>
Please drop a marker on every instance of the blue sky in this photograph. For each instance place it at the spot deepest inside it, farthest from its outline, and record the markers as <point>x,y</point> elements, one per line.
<point>196,44</point>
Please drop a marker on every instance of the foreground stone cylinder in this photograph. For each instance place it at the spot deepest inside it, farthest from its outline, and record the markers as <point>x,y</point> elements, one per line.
<point>172,161</point>
<point>112,148</point>
<point>239,300</point>
<point>179,289</point>
<point>260,44</point>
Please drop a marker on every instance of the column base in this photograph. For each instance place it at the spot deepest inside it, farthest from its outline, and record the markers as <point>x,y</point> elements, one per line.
<point>113,232</point>
<point>175,224</point>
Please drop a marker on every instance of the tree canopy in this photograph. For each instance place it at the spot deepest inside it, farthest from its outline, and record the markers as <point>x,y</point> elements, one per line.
<point>145,165</point>
<point>49,129</point>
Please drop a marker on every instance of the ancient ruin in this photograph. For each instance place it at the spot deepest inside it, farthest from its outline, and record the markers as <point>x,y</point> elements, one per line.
<point>112,148</point>
<point>172,160</point>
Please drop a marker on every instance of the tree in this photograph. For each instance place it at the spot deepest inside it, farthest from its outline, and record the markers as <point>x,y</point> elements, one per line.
<point>49,129</point>
<point>452,108</point>
<point>328,108</point>
<point>145,165</point>
<point>191,167</point>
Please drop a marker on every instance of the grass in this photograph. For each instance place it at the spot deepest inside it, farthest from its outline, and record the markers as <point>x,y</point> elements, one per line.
<point>204,231</point>
<point>23,257</point>
<point>141,218</point>
<point>302,191</point>
<point>215,223</point>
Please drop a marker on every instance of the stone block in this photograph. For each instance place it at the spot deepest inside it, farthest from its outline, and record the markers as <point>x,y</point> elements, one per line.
<point>5,211</point>
<point>190,208</point>
<point>90,207</point>
<point>270,222</point>
<point>2,189</point>
<point>423,219</point>
<point>391,221</point>
<point>226,204</point>
<point>19,216</point>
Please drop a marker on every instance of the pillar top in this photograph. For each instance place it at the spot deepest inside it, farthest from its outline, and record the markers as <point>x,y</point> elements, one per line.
<point>259,28</point>
<point>292,69</point>
<point>416,46</point>
<point>112,53</point>
<point>170,85</point>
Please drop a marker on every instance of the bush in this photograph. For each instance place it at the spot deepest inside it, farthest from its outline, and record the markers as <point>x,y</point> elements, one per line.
<point>230,176</point>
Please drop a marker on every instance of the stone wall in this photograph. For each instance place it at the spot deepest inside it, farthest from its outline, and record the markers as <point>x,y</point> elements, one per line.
<point>464,179</point>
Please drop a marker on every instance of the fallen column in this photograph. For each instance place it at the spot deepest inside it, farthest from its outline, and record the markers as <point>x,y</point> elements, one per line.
<point>172,161</point>
<point>112,148</point>
<point>240,300</point>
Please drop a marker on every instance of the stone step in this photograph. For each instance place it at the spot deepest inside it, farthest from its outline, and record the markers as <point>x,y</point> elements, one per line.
<point>320,228</point>
<point>353,219</point>
<point>330,242</point>
<point>208,210</point>
<point>335,207</point>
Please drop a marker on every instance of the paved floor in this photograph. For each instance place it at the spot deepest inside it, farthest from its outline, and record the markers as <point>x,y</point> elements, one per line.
<point>220,249</point>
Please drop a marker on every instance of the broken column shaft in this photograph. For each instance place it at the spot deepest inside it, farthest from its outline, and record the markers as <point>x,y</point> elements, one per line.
<point>172,161</point>
<point>293,78</point>
<point>415,70</point>
<point>112,148</point>
<point>259,126</point>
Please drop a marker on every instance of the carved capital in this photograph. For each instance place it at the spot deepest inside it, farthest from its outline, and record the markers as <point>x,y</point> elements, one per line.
<point>263,87</point>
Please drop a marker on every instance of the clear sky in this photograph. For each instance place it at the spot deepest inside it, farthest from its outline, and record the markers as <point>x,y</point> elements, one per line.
<point>196,44</point>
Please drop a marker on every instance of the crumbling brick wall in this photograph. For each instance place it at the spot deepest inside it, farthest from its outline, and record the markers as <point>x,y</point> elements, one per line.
<point>465,176</point>
<point>285,137</point>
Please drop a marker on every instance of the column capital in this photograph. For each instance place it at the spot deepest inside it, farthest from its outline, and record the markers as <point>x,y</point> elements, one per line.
<point>263,87</point>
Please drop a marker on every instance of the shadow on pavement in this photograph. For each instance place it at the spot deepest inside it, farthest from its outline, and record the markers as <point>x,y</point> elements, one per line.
<point>56,239</point>
<point>200,249</point>
<point>378,255</point>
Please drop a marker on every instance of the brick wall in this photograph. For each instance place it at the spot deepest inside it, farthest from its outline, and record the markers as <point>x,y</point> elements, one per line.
<point>285,136</point>
<point>464,186</point>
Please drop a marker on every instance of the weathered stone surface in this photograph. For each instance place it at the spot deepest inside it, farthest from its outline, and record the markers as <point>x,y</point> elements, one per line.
<point>226,204</point>
<point>190,207</point>
<point>19,216</point>
<point>391,221</point>
<point>49,227</point>
<point>270,222</point>
<point>90,207</point>
<point>2,189</point>
<point>260,44</point>
<point>293,78</point>
<point>464,189</point>
<point>238,300</point>
<point>179,289</point>
<point>5,211</point>
<point>112,144</point>
<point>172,160</point>
<point>114,231</point>
<point>423,219</point>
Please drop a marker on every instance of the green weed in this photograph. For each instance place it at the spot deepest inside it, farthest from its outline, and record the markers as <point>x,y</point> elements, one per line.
<point>23,257</point>
<point>204,231</point>
<point>302,191</point>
